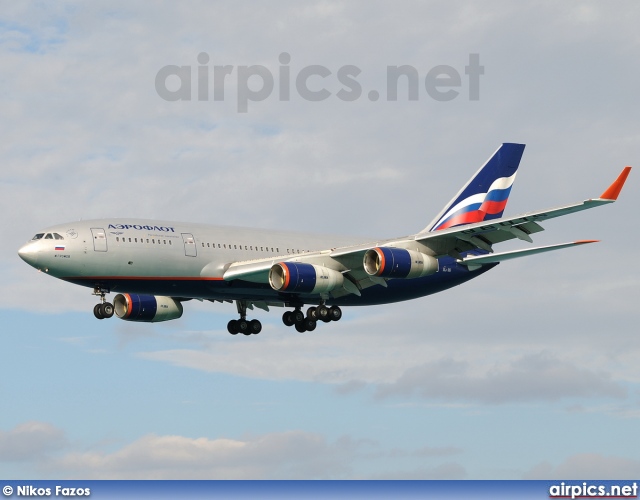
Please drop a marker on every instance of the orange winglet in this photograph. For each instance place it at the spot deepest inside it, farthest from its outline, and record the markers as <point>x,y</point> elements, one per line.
<point>613,191</point>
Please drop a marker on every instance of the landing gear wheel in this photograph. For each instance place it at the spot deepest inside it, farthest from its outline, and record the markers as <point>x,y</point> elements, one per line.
<point>335,313</point>
<point>311,313</point>
<point>97,311</point>
<point>243,327</point>
<point>301,327</point>
<point>232,327</point>
<point>310,324</point>
<point>287,318</point>
<point>106,309</point>
<point>297,315</point>
<point>323,313</point>
<point>255,327</point>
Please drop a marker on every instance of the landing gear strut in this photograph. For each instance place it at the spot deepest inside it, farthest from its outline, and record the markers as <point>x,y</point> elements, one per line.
<point>104,309</point>
<point>309,322</point>
<point>242,325</point>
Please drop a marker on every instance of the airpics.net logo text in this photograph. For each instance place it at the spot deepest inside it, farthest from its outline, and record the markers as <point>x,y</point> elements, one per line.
<point>311,83</point>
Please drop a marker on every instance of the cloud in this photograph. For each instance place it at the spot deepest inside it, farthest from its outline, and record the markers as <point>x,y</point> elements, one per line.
<point>285,455</point>
<point>587,466</point>
<point>43,449</point>
<point>533,377</point>
<point>443,362</point>
<point>30,441</point>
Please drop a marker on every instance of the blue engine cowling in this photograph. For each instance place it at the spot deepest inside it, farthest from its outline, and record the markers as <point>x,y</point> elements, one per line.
<point>146,308</point>
<point>387,262</point>
<point>303,278</point>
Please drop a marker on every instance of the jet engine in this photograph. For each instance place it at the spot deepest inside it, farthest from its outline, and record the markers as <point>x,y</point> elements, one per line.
<point>389,262</point>
<point>146,308</point>
<point>304,278</point>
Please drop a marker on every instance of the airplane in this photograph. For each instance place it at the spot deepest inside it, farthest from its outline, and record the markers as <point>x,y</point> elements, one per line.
<point>155,266</point>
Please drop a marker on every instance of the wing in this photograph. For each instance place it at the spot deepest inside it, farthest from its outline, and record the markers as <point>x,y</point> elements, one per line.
<point>476,261</point>
<point>453,242</point>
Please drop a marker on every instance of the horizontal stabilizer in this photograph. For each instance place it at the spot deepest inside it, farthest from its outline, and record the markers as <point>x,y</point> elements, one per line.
<point>476,261</point>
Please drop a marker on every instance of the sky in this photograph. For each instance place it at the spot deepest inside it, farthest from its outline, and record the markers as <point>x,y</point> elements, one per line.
<point>530,371</point>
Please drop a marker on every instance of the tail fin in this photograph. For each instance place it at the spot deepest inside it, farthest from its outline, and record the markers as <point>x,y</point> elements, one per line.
<point>485,196</point>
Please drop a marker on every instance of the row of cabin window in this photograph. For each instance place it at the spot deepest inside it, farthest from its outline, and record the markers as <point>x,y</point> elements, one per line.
<point>124,240</point>
<point>247,247</point>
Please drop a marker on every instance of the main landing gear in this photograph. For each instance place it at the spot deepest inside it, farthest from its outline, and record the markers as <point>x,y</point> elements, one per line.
<point>104,309</point>
<point>309,322</point>
<point>242,325</point>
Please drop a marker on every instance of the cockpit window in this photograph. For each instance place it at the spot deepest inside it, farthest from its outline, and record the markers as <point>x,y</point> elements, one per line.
<point>48,236</point>
<point>38,236</point>
<point>57,236</point>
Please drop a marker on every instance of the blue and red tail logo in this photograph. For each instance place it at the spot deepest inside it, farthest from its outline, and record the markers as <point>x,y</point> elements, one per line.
<point>485,196</point>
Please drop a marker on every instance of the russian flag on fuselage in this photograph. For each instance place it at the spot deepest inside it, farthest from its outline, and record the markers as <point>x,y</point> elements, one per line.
<point>485,196</point>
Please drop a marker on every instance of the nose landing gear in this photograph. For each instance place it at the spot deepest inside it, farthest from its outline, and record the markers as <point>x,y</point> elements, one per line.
<point>104,309</point>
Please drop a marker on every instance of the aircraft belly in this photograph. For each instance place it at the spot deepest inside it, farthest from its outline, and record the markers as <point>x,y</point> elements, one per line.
<point>398,290</point>
<point>216,289</point>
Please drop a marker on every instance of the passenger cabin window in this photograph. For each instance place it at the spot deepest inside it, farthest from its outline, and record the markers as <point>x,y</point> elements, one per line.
<point>38,236</point>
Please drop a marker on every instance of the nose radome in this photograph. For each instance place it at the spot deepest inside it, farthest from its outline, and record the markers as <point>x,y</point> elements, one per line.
<point>29,254</point>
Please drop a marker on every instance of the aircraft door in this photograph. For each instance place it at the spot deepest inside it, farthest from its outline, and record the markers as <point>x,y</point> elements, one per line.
<point>189,245</point>
<point>99,239</point>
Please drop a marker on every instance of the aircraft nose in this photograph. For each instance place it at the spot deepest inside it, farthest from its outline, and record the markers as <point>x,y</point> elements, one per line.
<point>29,254</point>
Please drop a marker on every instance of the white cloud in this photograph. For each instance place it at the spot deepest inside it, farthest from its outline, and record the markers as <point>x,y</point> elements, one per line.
<point>30,441</point>
<point>287,455</point>
<point>42,448</point>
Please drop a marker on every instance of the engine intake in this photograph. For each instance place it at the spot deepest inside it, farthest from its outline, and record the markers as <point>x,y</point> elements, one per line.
<point>146,308</point>
<point>304,278</point>
<point>389,262</point>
